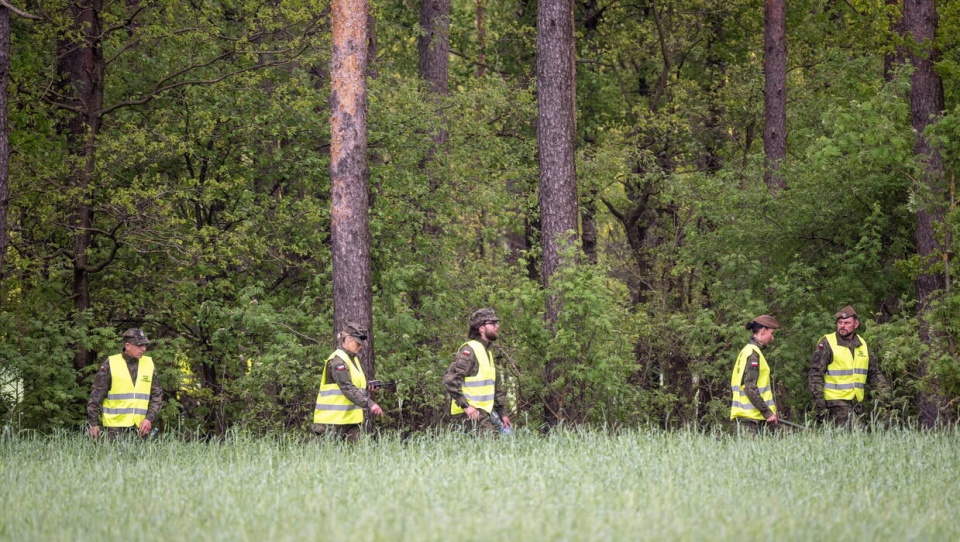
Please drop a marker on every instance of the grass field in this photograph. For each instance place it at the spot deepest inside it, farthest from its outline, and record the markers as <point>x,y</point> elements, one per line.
<point>578,485</point>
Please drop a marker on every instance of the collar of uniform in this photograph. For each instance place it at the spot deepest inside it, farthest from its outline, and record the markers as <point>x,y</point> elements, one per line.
<point>129,359</point>
<point>852,342</point>
<point>755,342</point>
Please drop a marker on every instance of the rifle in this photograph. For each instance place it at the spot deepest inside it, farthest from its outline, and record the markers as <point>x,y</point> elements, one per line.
<point>375,385</point>
<point>791,424</point>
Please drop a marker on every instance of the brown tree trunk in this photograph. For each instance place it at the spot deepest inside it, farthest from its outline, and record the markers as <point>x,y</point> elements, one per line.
<point>433,45</point>
<point>556,125</point>
<point>350,232</point>
<point>82,67</point>
<point>926,107</point>
<point>775,91</point>
<point>4,131</point>
<point>481,25</point>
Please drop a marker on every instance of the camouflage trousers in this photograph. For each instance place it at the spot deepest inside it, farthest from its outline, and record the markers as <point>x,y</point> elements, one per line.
<point>747,427</point>
<point>349,432</point>
<point>846,413</point>
<point>482,427</point>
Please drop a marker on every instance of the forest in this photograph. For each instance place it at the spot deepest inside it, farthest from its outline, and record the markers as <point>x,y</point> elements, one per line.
<point>625,182</point>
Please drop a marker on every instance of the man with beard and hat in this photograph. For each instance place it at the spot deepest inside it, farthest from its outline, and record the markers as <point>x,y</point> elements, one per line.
<point>841,370</point>
<point>126,394</point>
<point>473,382</point>
<point>343,394</point>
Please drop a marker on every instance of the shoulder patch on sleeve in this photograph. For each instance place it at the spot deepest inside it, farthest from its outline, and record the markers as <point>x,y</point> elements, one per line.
<point>466,352</point>
<point>341,367</point>
<point>754,363</point>
<point>820,344</point>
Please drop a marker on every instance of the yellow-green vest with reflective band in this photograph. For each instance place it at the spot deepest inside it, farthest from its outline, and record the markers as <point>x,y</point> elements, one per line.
<point>333,407</point>
<point>846,375</point>
<point>740,406</point>
<point>478,390</point>
<point>127,402</point>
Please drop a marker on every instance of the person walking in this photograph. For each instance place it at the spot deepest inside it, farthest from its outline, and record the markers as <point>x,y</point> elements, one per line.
<point>753,407</point>
<point>472,381</point>
<point>841,370</point>
<point>343,394</point>
<point>126,395</point>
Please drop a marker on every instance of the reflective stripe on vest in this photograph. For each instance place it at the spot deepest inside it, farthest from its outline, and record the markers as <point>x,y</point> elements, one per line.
<point>127,403</point>
<point>333,407</point>
<point>846,375</point>
<point>479,390</point>
<point>740,405</point>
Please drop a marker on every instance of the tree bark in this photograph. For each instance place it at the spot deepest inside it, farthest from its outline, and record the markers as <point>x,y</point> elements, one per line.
<point>926,108</point>
<point>775,91</point>
<point>555,139</point>
<point>4,131</point>
<point>82,67</point>
<point>433,45</point>
<point>350,230</point>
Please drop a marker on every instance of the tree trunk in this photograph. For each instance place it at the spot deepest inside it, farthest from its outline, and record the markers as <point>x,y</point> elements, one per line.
<point>926,107</point>
<point>433,45</point>
<point>350,231</point>
<point>555,140</point>
<point>775,91</point>
<point>4,131</point>
<point>82,66</point>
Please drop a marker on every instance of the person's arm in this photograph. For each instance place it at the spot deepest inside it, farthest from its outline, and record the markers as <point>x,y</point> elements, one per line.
<point>156,399</point>
<point>101,385</point>
<point>751,373</point>
<point>463,365</point>
<point>877,382</point>
<point>822,356</point>
<point>337,370</point>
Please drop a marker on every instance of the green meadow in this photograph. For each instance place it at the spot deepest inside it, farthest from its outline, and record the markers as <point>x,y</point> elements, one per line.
<point>569,485</point>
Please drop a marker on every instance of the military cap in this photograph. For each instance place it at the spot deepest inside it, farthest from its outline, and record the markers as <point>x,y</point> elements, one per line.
<point>135,336</point>
<point>354,330</point>
<point>482,316</point>
<point>847,312</point>
<point>764,320</point>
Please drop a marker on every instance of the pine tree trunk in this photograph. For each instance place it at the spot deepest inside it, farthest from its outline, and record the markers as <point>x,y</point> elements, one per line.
<point>555,138</point>
<point>349,215</point>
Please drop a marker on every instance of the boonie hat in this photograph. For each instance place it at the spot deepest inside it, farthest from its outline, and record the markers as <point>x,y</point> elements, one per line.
<point>482,316</point>
<point>355,330</point>
<point>135,336</point>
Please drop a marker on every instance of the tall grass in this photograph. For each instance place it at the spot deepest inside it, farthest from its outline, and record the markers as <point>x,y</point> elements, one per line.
<point>576,485</point>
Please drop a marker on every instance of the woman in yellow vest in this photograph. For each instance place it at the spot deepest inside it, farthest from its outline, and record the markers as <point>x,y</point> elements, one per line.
<point>343,389</point>
<point>126,392</point>
<point>753,406</point>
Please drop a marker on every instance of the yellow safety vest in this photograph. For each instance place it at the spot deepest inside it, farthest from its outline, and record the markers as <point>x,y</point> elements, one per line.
<point>333,407</point>
<point>127,402</point>
<point>740,406</point>
<point>846,375</point>
<point>479,390</point>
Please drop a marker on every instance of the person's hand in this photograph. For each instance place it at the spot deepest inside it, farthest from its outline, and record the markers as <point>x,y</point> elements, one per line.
<point>773,419</point>
<point>506,421</point>
<point>94,431</point>
<point>472,413</point>
<point>145,427</point>
<point>376,410</point>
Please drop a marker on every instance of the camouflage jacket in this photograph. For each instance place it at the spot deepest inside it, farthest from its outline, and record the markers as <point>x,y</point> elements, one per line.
<point>823,356</point>
<point>103,381</point>
<point>748,383</point>
<point>464,365</point>
<point>337,372</point>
